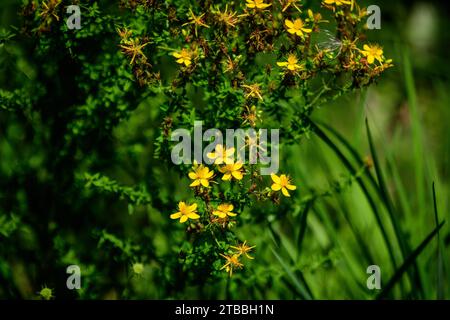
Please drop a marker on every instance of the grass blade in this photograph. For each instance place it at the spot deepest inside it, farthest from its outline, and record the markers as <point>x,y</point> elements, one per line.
<point>408,262</point>
<point>301,290</point>
<point>303,223</point>
<point>416,131</point>
<point>405,250</point>
<point>363,187</point>
<point>440,266</point>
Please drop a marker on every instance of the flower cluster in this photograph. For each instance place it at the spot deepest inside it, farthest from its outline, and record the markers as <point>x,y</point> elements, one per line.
<point>263,25</point>
<point>232,259</point>
<point>304,57</point>
<point>220,53</point>
<point>221,212</point>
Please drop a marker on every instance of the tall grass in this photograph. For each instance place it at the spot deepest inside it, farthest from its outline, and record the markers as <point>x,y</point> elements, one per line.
<point>377,218</point>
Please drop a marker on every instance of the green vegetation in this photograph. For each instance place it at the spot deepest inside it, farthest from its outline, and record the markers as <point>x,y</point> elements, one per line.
<point>86,176</point>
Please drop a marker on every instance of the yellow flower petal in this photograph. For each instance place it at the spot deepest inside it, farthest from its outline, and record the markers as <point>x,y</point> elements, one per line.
<point>285,192</point>
<point>237,174</point>
<point>289,24</point>
<point>195,183</point>
<point>229,152</point>
<point>175,215</point>
<point>276,187</point>
<point>219,148</point>
<point>192,175</point>
<point>275,178</point>
<point>204,182</point>
<point>219,213</point>
<point>193,215</point>
<point>238,165</point>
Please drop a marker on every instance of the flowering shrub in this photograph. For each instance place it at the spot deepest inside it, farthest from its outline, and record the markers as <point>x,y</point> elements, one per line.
<point>241,64</point>
<point>248,59</point>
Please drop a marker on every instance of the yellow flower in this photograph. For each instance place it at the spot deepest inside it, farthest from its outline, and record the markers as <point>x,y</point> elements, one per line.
<point>257,4</point>
<point>185,212</point>
<point>232,170</point>
<point>282,183</point>
<point>296,27</point>
<point>224,210</point>
<point>220,155</point>
<point>232,261</point>
<point>373,52</point>
<point>200,175</point>
<point>337,2</point>
<point>183,57</point>
<point>291,63</point>
<point>243,249</point>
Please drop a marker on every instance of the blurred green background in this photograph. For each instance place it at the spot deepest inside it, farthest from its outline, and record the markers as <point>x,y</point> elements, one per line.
<point>321,252</point>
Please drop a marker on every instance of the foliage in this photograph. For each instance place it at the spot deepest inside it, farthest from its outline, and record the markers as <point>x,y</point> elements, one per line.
<point>86,175</point>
